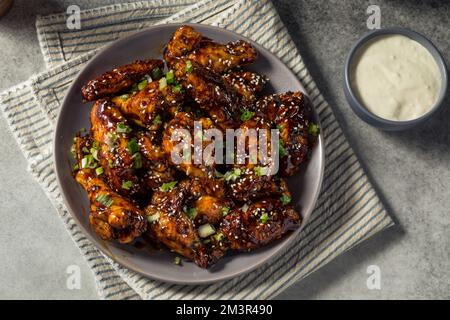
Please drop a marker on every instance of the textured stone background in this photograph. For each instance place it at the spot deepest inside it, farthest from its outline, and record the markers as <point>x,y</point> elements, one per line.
<point>410,169</point>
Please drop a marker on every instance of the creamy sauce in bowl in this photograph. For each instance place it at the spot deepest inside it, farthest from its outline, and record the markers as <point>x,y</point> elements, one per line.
<point>396,78</point>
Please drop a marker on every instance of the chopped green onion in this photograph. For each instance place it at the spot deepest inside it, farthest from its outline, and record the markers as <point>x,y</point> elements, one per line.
<point>127,185</point>
<point>156,73</point>
<point>111,139</point>
<point>282,149</point>
<point>123,128</point>
<point>75,167</point>
<point>88,162</point>
<point>192,213</point>
<point>177,89</point>
<point>133,146</point>
<point>189,67</point>
<point>232,175</point>
<point>111,164</point>
<point>153,218</point>
<point>313,129</point>
<point>142,84</point>
<point>124,97</point>
<point>134,88</point>
<point>157,121</point>
<point>170,77</point>
<point>105,200</point>
<point>285,199</point>
<point>168,186</point>
<point>177,261</point>
<point>162,83</point>
<point>94,153</point>
<point>99,171</point>
<point>246,115</point>
<point>225,211</point>
<point>280,126</point>
<point>218,236</point>
<point>73,150</point>
<point>264,218</point>
<point>137,160</point>
<point>260,171</point>
<point>85,150</point>
<point>206,230</point>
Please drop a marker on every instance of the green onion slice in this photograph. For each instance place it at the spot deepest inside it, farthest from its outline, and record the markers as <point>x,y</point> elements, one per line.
<point>162,83</point>
<point>170,77</point>
<point>99,171</point>
<point>264,218</point>
<point>142,84</point>
<point>156,73</point>
<point>285,199</point>
<point>133,146</point>
<point>168,185</point>
<point>225,211</point>
<point>189,66</point>
<point>313,129</point>
<point>206,230</point>
<point>137,160</point>
<point>105,200</point>
<point>246,115</point>
<point>127,185</point>
<point>123,128</point>
<point>153,218</point>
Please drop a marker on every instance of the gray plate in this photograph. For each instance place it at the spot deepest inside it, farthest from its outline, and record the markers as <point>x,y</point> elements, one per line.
<point>159,265</point>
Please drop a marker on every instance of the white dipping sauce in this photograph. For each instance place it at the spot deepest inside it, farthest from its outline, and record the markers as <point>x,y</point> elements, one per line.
<point>396,78</point>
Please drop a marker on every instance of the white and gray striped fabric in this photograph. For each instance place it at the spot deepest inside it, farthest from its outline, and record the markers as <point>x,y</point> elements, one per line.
<point>347,212</point>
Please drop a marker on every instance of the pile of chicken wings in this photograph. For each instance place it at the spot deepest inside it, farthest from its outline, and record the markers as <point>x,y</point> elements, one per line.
<point>199,211</point>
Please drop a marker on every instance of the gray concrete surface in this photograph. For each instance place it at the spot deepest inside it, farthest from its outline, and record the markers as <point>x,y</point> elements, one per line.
<point>410,169</point>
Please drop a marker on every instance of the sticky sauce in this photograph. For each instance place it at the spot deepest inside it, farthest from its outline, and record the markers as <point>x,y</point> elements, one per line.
<point>396,78</point>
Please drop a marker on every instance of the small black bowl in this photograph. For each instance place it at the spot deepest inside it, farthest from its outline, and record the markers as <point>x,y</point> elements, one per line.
<point>362,111</point>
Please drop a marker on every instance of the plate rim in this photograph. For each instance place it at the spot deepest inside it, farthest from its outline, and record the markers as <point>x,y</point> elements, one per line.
<point>123,261</point>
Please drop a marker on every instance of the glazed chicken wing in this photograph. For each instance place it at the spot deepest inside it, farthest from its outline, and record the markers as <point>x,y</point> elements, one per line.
<point>118,152</point>
<point>111,216</point>
<point>148,107</point>
<point>247,85</point>
<point>119,79</point>
<point>219,58</point>
<point>170,225</point>
<point>211,93</point>
<point>261,223</point>
<point>289,112</point>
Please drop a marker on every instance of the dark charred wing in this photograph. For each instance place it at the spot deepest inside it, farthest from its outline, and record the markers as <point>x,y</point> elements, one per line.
<point>119,79</point>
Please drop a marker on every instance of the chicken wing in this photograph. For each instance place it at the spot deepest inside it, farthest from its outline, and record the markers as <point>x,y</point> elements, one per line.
<point>257,225</point>
<point>111,216</point>
<point>211,93</point>
<point>247,85</point>
<point>119,79</point>
<point>118,153</point>
<point>290,113</point>
<point>170,225</point>
<point>219,58</point>
<point>148,107</point>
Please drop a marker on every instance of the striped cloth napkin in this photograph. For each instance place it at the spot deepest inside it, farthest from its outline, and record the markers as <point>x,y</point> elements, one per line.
<point>347,212</point>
